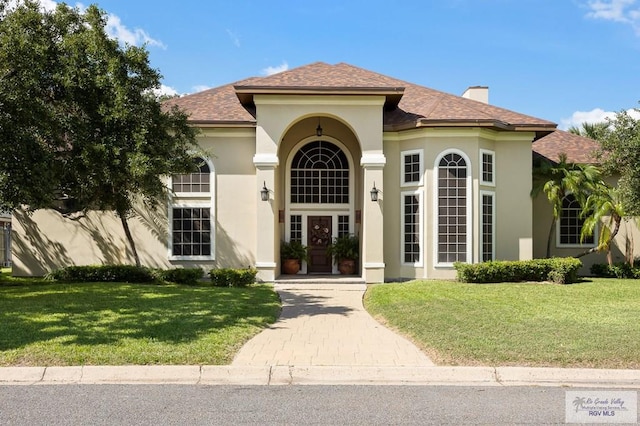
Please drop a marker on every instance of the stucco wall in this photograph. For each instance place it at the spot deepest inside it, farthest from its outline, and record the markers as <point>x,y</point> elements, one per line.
<point>46,240</point>
<point>513,230</point>
<point>543,216</point>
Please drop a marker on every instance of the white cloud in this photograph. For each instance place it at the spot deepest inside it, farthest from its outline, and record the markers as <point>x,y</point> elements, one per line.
<point>200,88</point>
<point>275,70</point>
<point>165,90</point>
<point>623,11</point>
<point>116,29</point>
<point>596,115</point>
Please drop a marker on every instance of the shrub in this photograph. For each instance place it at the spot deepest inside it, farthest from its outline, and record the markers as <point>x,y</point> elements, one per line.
<point>189,276</point>
<point>103,273</point>
<point>229,277</point>
<point>558,270</point>
<point>617,270</point>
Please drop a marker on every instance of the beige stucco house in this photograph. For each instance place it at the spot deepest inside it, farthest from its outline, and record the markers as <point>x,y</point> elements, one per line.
<point>452,176</point>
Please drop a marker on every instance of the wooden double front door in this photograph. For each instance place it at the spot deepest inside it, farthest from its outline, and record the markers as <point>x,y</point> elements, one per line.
<point>318,238</point>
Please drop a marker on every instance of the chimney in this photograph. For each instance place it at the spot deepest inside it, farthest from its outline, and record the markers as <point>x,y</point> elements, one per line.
<point>477,93</point>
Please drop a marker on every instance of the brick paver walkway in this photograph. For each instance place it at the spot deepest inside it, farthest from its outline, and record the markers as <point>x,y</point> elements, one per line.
<point>326,324</point>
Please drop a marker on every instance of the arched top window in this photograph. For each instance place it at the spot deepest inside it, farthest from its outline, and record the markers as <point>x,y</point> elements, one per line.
<point>453,225</point>
<point>453,165</point>
<point>320,174</point>
<point>199,181</point>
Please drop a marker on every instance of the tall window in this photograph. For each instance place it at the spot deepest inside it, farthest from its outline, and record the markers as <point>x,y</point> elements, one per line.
<point>412,168</point>
<point>488,225</point>
<point>192,230</point>
<point>295,228</point>
<point>452,207</point>
<point>571,224</point>
<point>320,174</point>
<point>411,228</point>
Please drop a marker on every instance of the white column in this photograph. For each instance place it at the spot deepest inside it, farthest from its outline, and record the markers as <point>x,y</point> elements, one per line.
<point>266,216</point>
<point>373,218</point>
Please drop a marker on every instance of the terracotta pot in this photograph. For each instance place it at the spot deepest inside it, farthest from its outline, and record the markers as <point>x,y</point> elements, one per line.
<point>290,266</point>
<point>347,266</point>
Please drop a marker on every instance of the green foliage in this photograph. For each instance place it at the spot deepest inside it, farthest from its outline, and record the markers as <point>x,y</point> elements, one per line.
<point>229,277</point>
<point>557,270</point>
<point>188,276</point>
<point>79,120</point>
<point>344,247</point>
<point>617,270</point>
<point>557,180</point>
<point>294,250</point>
<point>621,155</point>
<point>103,273</point>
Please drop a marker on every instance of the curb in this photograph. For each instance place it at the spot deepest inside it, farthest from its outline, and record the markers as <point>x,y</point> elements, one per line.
<point>321,375</point>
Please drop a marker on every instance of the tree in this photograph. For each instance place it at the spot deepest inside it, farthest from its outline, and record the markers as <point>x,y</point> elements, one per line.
<point>557,180</point>
<point>621,155</point>
<point>603,206</point>
<point>78,117</point>
<point>590,130</point>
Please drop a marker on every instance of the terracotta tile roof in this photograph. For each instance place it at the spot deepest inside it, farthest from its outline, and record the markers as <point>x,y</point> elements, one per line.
<point>418,106</point>
<point>578,148</point>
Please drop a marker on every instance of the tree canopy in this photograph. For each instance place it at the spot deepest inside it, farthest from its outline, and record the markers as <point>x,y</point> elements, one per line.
<point>78,117</point>
<point>621,156</point>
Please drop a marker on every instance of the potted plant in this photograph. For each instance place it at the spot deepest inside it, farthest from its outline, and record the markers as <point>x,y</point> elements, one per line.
<point>345,250</point>
<point>292,254</point>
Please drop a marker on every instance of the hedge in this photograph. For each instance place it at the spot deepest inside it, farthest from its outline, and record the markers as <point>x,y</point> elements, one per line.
<point>557,270</point>
<point>617,270</point>
<point>103,273</point>
<point>228,277</point>
<point>189,276</point>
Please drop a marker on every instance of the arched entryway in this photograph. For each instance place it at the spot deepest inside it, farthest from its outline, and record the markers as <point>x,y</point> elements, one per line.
<point>320,180</point>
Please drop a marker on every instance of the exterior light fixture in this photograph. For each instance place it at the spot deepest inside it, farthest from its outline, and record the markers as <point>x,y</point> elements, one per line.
<point>264,192</point>
<point>374,193</point>
<point>319,129</point>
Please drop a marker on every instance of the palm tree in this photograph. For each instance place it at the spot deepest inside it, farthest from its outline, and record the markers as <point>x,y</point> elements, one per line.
<point>590,130</point>
<point>603,206</point>
<point>557,180</point>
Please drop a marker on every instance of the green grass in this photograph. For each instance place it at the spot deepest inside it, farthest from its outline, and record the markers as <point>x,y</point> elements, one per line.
<point>595,323</point>
<point>48,324</point>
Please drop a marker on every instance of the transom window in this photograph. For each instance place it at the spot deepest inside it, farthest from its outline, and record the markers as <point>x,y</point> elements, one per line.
<point>452,209</point>
<point>571,223</point>
<point>412,168</point>
<point>320,174</point>
<point>487,160</point>
<point>199,181</point>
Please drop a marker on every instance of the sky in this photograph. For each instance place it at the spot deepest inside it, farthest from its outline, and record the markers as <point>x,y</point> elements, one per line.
<point>567,61</point>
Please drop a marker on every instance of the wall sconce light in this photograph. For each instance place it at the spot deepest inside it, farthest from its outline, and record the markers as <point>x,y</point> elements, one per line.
<point>264,192</point>
<point>319,129</point>
<point>374,193</point>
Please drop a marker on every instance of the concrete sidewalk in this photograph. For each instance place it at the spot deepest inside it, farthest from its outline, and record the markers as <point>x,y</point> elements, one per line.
<point>324,336</point>
<point>326,324</point>
<point>321,375</point>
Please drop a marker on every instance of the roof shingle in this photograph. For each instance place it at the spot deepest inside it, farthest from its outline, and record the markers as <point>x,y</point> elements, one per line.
<point>577,148</point>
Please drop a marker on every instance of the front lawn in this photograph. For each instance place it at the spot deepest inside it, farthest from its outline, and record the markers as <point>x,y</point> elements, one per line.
<point>595,323</point>
<point>45,324</point>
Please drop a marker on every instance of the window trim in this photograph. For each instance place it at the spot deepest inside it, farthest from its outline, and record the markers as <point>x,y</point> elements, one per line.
<point>419,194</point>
<point>493,163</point>
<point>403,154</point>
<point>469,205</point>
<point>579,245</point>
<point>194,200</point>
<point>492,194</point>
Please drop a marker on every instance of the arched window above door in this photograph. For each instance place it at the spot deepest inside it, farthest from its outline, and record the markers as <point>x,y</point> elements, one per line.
<point>320,174</point>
